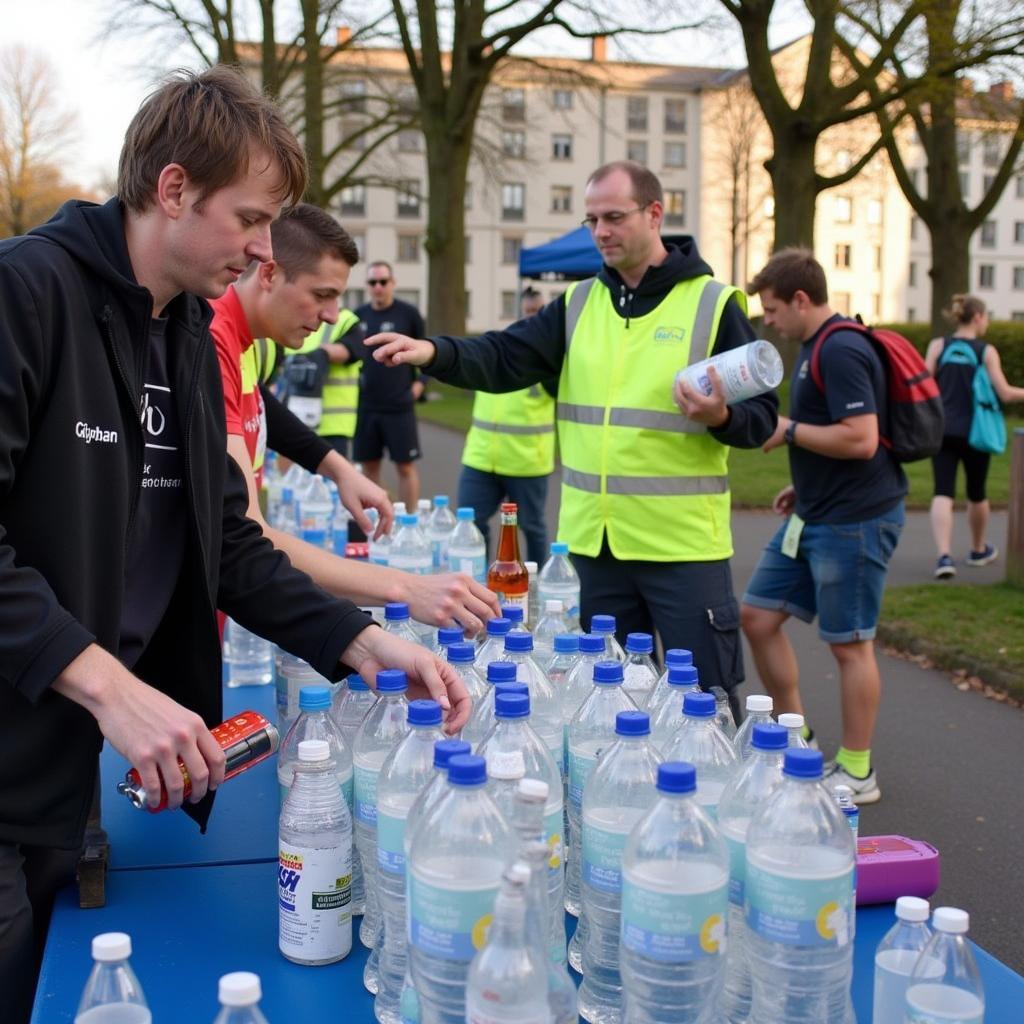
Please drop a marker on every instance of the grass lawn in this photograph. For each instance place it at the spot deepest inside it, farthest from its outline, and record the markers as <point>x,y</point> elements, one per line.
<point>756,478</point>
<point>978,628</point>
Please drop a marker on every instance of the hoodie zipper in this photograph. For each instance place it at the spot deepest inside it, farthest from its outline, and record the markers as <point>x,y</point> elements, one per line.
<point>193,397</point>
<point>626,302</point>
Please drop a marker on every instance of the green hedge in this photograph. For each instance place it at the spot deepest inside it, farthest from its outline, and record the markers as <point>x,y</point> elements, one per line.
<point>1006,335</point>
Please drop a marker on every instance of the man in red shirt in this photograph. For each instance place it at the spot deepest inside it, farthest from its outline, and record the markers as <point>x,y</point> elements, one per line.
<point>287,298</point>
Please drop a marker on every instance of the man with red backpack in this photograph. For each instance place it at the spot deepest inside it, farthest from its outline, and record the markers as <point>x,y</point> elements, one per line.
<point>844,511</point>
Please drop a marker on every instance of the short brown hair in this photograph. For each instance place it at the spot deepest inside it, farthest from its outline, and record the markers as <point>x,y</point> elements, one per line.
<point>304,234</point>
<point>210,123</point>
<point>963,309</point>
<point>646,187</point>
<point>790,271</point>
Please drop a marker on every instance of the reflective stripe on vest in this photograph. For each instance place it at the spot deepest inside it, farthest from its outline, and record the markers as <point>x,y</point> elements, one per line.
<point>634,467</point>
<point>341,388</point>
<point>512,434</point>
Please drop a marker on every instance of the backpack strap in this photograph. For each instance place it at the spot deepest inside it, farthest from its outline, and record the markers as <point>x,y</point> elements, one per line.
<point>957,346</point>
<point>841,325</point>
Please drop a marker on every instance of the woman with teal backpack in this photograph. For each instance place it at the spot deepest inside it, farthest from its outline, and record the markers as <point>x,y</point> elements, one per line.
<point>971,381</point>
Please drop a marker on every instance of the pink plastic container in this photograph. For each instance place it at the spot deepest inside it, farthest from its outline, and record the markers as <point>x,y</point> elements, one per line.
<point>892,866</point>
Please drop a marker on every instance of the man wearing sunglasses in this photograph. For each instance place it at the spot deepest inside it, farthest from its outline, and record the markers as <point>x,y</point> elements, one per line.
<point>645,503</point>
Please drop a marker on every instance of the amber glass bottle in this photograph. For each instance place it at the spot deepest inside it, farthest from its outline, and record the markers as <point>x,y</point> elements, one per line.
<point>507,576</point>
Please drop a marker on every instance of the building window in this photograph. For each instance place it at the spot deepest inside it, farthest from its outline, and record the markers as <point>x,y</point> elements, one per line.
<point>1020,186</point>
<point>844,256</point>
<point>986,275</point>
<point>561,147</point>
<point>353,298</point>
<point>636,114</point>
<point>1018,315</point>
<point>410,142</point>
<point>513,104</point>
<point>513,144</point>
<point>510,250</point>
<point>991,151</point>
<point>408,198</point>
<point>875,211</point>
<point>988,234</point>
<point>353,94</point>
<point>675,115</point>
<point>353,201</point>
<point>408,100</point>
<point>675,207</point>
<point>987,181</point>
<point>636,150</point>
<point>911,315</point>
<point>841,302</point>
<point>513,201</point>
<point>508,306</point>
<point>1018,279</point>
<point>410,295</point>
<point>878,257</point>
<point>408,249</point>
<point>963,148</point>
<point>965,183</point>
<point>912,276</point>
<point>675,154</point>
<point>562,99</point>
<point>561,199</point>
<point>843,207</point>
<point>1018,230</point>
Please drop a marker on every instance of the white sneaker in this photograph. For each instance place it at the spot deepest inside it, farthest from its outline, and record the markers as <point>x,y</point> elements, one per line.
<point>865,791</point>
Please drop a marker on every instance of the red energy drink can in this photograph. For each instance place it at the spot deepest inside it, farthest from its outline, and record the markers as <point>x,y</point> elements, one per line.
<point>246,739</point>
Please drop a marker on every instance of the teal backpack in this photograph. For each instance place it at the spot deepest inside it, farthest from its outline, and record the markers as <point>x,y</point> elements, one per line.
<point>988,428</point>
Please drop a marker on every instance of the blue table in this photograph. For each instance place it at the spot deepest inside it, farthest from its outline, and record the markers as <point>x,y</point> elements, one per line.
<point>191,925</point>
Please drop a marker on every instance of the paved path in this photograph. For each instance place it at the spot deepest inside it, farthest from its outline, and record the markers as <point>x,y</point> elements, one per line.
<point>950,764</point>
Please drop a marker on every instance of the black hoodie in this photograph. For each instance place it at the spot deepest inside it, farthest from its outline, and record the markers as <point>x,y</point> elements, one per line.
<point>74,327</point>
<point>532,350</point>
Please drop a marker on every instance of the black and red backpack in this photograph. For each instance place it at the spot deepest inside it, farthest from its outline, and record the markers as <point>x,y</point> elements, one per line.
<point>915,418</point>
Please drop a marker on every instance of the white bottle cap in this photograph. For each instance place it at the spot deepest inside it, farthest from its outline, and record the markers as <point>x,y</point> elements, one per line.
<point>518,872</point>
<point>949,919</point>
<point>842,791</point>
<point>240,988</point>
<point>553,605</point>
<point>791,720</point>
<point>912,908</point>
<point>311,751</point>
<point>111,946</point>
<point>531,567</point>
<point>536,789</point>
<point>759,702</point>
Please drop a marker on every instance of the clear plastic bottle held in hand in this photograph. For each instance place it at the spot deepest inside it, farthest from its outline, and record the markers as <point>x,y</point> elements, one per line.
<point>112,993</point>
<point>239,995</point>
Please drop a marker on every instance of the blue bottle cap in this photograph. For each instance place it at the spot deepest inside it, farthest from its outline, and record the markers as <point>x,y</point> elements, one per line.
<point>678,656</point>
<point>633,723</point>
<point>677,777</point>
<point>567,643</point>
<point>559,547</point>
<point>803,764</point>
<point>461,653</point>
<point>518,642</point>
<point>639,643</point>
<point>602,624</point>
<point>356,682</point>
<point>287,495</point>
<point>315,537</point>
<point>408,519</point>
<point>512,612</point>
<point>440,501</point>
<point>447,635</point>
<point>445,750</point>
<point>607,673</point>
<point>395,611</point>
<point>699,705</point>
<point>513,687</point>
<point>314,698</point>
<point>511,705</point>
<point>591,643</point>
<point>424,712</point>
<point>464,512</point>
<point>769,736</point>
<point>467,770</point>
<point>498,626</point>
<point>682,675</point>
<point>391,680</point>
<point>501,672</point>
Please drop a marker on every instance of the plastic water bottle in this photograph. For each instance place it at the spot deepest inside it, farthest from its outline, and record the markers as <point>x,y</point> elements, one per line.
<point>250,658</point>
<point>700,741</point>
<point>507,979</point>
<point>408,769</point>
<point>449,635</point>
<point>462,657</point>
<point>744,372</point>
<point>397,621</point>
<point>239,995</point>
<point>565,653</point>
<point>604,626</point>
<point>481,718</point>
<point>533,606</point>
<point>759,709</point>
<point>581,677</point>
<point>640,673</point>
<point>384,725</point>
<point>444,751</point>
<point>546,717</point>
<point>674,658</point>
<point>378,551</point>
<point>549,625</point>
<point>410,549</point>
<point>675,896</point>
<point>617,795</point>
<point>794,725</point>
<point>945,985</point>
<point>440,526</point>
<point>748,790</point>
<point>844,798</point>
<point>493,646</point>
<point>340,520</point>
<point>314,879</point>
<point>316,508</point>
<point>350,706</point>
<point>558,581</point>
<point>456,858</point>
<point>665,706</point>
<point>291,675</point>
<point>799,900</point>
<point>315,723</point>
<point>112,994</point>
<point>400,510</point>
<point>467,551</point>
<point>517,616</point>
<point>723,712</point>
<point>896,957</point>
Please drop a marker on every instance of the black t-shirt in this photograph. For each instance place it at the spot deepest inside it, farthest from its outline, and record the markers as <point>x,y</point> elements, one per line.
<point>832,490</point>
<point>156,544</point>
<point>384,388</point>
<point>956,383</point>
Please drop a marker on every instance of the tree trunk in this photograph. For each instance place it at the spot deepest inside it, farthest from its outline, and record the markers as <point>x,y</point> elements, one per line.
<point>950,269</point>
<point>270,67</point>
<point>313,102</point>
<point>795,185</point>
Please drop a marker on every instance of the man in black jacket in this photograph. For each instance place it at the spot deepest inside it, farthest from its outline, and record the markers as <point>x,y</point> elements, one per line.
<point>122,519</point>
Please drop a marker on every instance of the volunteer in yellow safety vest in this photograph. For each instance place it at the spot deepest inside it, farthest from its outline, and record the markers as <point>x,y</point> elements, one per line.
<point>645,487</point>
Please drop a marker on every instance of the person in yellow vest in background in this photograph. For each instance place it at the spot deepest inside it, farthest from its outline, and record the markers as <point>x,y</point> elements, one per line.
<point>510,452</point>
<point>645,502</point>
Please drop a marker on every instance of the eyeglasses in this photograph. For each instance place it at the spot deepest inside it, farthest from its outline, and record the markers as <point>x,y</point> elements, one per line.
<point>374,281</point>
<point>612,218</point>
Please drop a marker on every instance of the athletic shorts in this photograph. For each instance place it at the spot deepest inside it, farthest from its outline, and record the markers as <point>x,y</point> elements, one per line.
<point>954,451</point>
<point>395,431</point>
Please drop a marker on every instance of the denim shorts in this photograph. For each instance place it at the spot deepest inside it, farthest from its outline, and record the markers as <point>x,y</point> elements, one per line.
<point>838,574</point>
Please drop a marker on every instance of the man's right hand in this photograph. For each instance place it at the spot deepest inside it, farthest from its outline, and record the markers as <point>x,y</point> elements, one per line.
<point>145,726</point>
<point>785,501</point>
<point>400,350</point>
<point>449,599</point>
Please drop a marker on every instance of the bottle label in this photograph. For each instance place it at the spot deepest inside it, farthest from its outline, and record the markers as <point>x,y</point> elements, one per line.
<point>673,928</point>
<point>391,844</point>
<point>348,790</point>
<point>314,901</point>
<point>942,1004</point>
<point>602,858</point>
<point>451,924</point>
<point>737,868</point>
<point>580,767</point>
<point>505,764</point>
<point>800,911</point>
<point>366,796</point>
<point>553,823</point>
<point>514,601</point>
<point>436,555</point>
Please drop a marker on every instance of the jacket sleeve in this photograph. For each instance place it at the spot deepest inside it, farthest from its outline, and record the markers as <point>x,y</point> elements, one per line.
<point>289,436</point>
<point>528,352</point>
<point>753,421</point>
<point>38,636</point>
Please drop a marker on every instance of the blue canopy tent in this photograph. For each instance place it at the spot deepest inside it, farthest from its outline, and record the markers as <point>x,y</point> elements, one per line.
<point>571,257</point>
